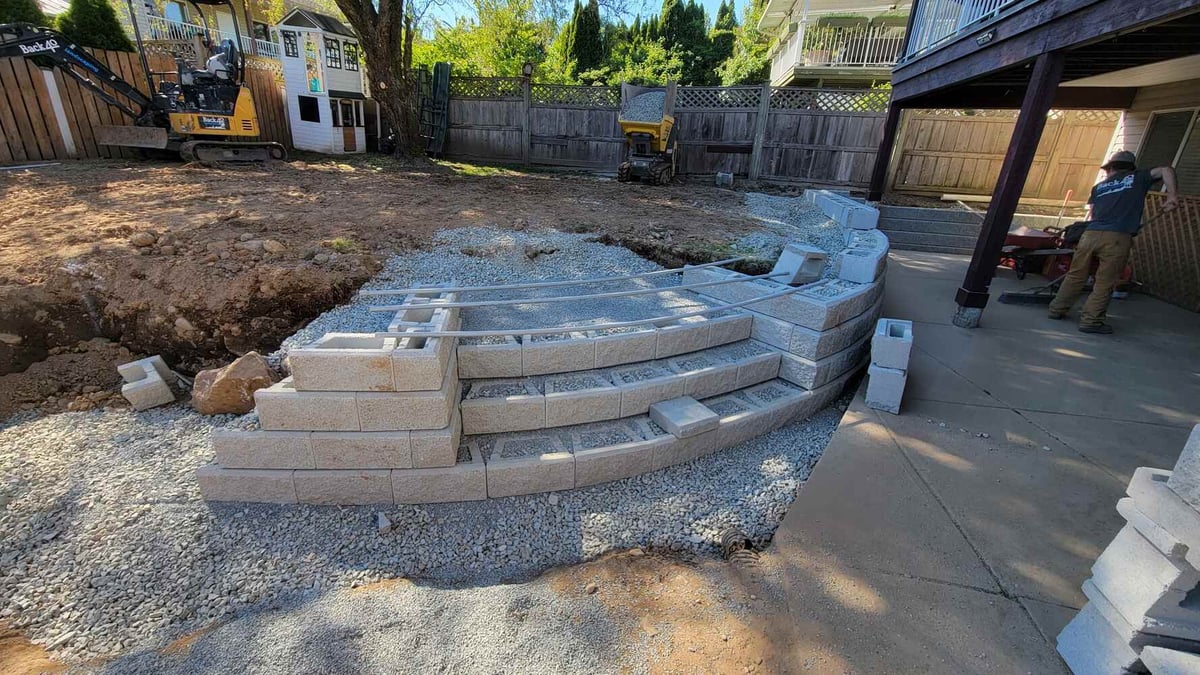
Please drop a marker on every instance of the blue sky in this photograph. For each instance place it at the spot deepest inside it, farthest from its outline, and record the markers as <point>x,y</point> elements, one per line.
<point>448,11</point>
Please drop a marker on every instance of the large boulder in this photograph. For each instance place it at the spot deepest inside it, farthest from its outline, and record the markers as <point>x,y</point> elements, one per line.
<point>231,389</point>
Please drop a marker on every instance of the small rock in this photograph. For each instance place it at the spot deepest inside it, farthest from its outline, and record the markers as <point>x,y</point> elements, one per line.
<point>1046,448</point>
<point>231,389</point>
<point>591,588</point>
<point>10,339</point>
<point>143,239</point>
<point>252,245</point>
<point>382,522</point>
<point>272,246</point>
<point>183,326</point>
<point>985,435</point>
<point>167,250</point>
<point>321,258</point>
<point>245,236</point>
<point>636,552</point>
<point>553,499</point>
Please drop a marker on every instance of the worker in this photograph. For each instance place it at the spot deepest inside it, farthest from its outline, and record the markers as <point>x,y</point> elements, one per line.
<point>1114,218</point>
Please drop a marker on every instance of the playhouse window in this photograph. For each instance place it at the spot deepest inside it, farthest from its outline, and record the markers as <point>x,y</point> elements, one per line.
<point>310,108</point>
<point>351,50</point>
<point>333,53</point>
<point>290,46</point>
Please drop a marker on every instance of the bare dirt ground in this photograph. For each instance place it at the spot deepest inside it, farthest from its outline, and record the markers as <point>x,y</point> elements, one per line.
<point>202,264</point>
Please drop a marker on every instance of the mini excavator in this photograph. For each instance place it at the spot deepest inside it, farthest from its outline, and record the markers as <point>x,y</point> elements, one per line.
<point>206,115</point>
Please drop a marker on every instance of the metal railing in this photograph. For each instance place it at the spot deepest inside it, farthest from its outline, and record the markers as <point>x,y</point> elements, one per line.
<point>938,20</point>
<point>814,45</point>
<point>169,30</point>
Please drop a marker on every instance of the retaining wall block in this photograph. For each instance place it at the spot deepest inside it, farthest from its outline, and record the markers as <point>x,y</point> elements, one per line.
<point>727,328</point>
<point>437,448</point>
<point>361,450</point>
<point>636,397</point>
<point>1152,496</point>
<point>1185,479</point>
<point>802,263</point>
<point>479,361</point>
<point>263,449</point>
<point>344,362</point>
<point>757,368</point>
<point>601,465</point>
<point>465,481</point>
<point>566,406</point>
<point>409,410</point>
<point>282,408</point>
<point>619,348</point>
<point>717,377</point>
<point>422,368</point>
<point>892,343</point>
<point>146,383</point>
<point>548,468</point>
<point>484,413</point>
<point>885,388</point>
<point>1090,645</point>
<point>814,345</point>
<point>344,487</point>
<point>540,356</point>
<point>811,374</point>
<point>860,266</point>
<point>688,334</point>
<point>684,417</point>
<point>1147,587</point>
<point>219,484</point>
<point>681,450</point>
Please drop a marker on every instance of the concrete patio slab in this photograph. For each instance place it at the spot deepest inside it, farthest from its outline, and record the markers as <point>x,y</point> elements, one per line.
<point>1119,447</point>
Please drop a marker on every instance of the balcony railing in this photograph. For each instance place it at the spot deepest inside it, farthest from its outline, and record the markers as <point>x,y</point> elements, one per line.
<point>814,45</point>
<point>161,28</point>
<point>938,20</point>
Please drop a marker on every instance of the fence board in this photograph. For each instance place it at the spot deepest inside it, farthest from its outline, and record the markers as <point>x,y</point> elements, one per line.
<point>16,121</point>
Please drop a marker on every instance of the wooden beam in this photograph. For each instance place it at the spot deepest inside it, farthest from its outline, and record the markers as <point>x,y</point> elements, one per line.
<point>972,297</point>
<point>1005,97</point>
<point>1049,25</point>
<point>883,156</point>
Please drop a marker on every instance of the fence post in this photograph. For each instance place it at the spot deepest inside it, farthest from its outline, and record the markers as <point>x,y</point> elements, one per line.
<point>526,126</point>
<point>760,130</point>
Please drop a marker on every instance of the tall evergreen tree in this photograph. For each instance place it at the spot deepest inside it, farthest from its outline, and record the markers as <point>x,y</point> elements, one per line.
<point>749,63</point>
<point>22,11</point>
<point>94,23</point>
<point>587,48</point>
<point>723,33</point>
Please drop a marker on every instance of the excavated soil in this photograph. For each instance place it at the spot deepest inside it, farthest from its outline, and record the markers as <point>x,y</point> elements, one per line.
<point>203,264</point>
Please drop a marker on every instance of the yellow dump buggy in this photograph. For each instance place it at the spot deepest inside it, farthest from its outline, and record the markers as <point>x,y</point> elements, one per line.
<point>649,126</point>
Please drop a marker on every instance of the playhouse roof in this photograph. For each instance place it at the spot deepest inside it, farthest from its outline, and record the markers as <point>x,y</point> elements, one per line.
<point>307,18</point>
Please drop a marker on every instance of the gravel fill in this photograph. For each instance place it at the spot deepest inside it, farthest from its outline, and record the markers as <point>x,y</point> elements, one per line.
<point>107,546</point>
<point>789,219</point>
<point>647,107</point>
<point>574,383</point>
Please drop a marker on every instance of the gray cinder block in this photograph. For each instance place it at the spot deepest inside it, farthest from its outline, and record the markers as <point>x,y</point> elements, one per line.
<point>892,343</point>
<point>801,263</point>
<point>684,417</point>
<point>885,388</point>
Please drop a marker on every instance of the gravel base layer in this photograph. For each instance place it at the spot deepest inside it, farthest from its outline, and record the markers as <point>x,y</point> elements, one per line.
<point>107,548</point>
<point>789,219</point>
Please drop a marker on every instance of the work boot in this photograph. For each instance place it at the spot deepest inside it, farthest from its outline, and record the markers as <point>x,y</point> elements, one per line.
<point>1098,328</point>
<point>1057,315</point>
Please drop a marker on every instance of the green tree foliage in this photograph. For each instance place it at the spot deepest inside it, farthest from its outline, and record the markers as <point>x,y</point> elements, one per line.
<point>505,34</point>
<point>22,11</point>
<point>94,23</point>
<point>749,63</point>
<point>723,34</point>
<point>587,45</point>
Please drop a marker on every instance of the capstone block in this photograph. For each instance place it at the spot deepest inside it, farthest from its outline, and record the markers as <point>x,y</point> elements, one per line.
<point>617,347</point>
<point>578,399</point>
<point>273,486</point>
<point>688,334</point>
<point>465,481</point>
<point>1163,661</point>
<point>557,353</point>
<point>801,263</point>
<point>344,487</point>
<point>361,450</point>
<point>684,417</point>
<point>263,449</point>
<point>495,406</point>
<point>885,388</point>
<point>1185,479</point>
<point>892,343</point>
<point>491,358</point>
<point>344,362</point>
<point>282,408</point>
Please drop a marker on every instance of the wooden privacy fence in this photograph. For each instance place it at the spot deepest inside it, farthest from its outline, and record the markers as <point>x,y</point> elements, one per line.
<point>1166,254</point>
<point>45,115</point>
<point>822,136</point>
<point>961,152</point>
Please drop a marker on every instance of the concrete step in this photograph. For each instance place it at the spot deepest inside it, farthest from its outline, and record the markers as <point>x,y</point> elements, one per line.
<point>890,225</point>
<point>951,250</point>
<point>530,403</point>
<point>925,214</point>
<point>501,465</point>
<point>903,240</point>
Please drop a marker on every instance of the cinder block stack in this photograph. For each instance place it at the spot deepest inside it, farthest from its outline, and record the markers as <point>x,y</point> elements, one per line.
<point>1145,587</point>
<point>890,349</point>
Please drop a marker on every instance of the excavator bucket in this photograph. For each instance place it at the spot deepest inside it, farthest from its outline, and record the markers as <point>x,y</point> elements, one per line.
<point>131,137</point>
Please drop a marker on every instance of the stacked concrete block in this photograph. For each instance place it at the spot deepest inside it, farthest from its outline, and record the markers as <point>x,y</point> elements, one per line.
<point>684,417</point>
<point>1144,592</point>
<point>818,306</point>
<point>801,263</point>
<point>864,258</point>
<point>843,209</point>
<point>146,383</point>
<point>489,357</point>
<point>493,406</point>
<point>557,353</point>
<point>890,348</point>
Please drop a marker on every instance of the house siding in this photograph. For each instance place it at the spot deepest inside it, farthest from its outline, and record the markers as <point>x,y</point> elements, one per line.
<point>1134,121</point>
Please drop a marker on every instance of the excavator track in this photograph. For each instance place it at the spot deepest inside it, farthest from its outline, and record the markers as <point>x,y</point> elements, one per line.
<point>208,152</point>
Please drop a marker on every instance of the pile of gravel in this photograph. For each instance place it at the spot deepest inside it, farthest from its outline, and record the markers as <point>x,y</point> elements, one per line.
<point>789,219</point>
<point>108,547</point>
<point>647,107</point>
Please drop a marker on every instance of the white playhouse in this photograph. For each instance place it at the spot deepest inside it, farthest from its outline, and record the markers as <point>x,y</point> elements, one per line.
<point>322,71</point>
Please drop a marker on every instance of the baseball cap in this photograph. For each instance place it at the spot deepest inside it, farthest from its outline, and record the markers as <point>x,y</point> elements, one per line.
<point>1120,156</point>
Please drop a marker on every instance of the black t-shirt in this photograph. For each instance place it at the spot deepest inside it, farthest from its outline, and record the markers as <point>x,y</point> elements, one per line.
<point>1117,202</point>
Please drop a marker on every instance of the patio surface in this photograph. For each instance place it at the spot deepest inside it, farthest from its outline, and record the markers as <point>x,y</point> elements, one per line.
<point>918,545</point>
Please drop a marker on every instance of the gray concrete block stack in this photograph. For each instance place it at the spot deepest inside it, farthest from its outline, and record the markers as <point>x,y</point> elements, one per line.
<point>1144,593</point>
<point>891,346</point>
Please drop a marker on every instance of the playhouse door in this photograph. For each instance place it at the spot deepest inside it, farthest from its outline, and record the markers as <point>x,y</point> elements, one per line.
<point>349,138</point>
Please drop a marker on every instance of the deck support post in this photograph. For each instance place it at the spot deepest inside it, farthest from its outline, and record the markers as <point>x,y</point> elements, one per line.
<point>972,297</point>
<point>883,157</point>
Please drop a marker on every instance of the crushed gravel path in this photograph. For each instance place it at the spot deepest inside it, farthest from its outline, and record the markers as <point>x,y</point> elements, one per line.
<point>107,548</point>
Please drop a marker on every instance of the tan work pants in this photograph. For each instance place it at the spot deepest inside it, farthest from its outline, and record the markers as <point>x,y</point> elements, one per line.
<point>1112,250</point>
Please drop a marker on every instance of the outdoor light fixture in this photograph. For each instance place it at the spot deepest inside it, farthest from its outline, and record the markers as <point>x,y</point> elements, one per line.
<point>527,69</point>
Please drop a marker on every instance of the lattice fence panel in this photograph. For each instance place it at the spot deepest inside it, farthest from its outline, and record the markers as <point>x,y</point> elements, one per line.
<point>829,100</point>
<point>573,95</point>
<point>487,87</point>
<point>725,98</point>
<point>1098,115</point>
<point>945,112</point>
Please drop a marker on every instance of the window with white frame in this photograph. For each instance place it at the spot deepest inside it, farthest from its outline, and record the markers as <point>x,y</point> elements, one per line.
<point>1173,139</point>
<point>351,50</point>
<point>290,46</point>
<point>333,53</point>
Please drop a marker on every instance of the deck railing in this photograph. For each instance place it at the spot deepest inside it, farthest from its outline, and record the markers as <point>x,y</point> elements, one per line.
<point>814,45</point>
<point>936,21</point>
<point>169,30</point>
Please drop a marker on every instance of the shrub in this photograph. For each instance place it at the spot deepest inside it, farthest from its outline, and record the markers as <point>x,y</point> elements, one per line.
<point>22,11</point>
<point>94,23</point>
